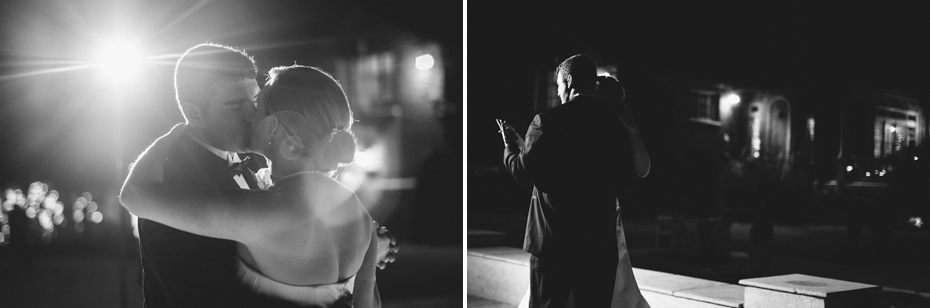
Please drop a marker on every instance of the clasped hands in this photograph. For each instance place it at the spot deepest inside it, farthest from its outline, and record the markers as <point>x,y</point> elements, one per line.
<point>387,247</point>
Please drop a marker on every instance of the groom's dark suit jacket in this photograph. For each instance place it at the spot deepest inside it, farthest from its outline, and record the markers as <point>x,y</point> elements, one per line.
<point>182,269</point>
<point>578,158</point>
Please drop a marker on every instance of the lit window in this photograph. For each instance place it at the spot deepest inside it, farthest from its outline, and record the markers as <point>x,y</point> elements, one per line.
<point>705,105</point>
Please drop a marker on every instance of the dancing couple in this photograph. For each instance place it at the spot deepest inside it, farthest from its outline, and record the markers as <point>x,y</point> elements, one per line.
<point>218,227</point>
<point>580,156</point>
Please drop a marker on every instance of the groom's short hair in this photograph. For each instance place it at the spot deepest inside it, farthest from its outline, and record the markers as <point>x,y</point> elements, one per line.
<point>582,69</point>
<point>202,65</point>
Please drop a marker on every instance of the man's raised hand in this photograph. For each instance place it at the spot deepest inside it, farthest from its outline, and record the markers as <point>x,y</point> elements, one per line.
<point>510,136</point>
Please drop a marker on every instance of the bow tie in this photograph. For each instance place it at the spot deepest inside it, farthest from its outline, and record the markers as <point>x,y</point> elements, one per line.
<point>237,167</point>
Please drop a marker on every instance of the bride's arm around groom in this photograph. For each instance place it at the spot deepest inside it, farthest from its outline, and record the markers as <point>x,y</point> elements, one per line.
<point>251,217</point>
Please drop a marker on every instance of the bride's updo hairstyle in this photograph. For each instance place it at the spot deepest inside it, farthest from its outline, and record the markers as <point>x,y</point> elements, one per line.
<point>310,104</point>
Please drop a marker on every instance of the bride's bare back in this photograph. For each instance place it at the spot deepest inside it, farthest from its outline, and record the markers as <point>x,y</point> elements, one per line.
<point>327,246</point>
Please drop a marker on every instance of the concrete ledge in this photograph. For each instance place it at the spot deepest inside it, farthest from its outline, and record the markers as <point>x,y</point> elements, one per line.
<point>502,274</point>
<point>727,295</point>
<point>670,284</point>
<point>762,298</point>
<point>797,290</point>
<point>644,273</point>
<point>671,290</point>
<point>505,254</point>
<point>658,300</point>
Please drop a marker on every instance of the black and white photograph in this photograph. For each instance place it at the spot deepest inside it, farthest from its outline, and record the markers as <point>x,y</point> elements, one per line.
<point>697,154</point>
<point>231,154</point>
<point>285,153</point>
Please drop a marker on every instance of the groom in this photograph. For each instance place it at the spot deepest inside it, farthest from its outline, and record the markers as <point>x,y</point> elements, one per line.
<point>577,159</point>
<point>216,90</point>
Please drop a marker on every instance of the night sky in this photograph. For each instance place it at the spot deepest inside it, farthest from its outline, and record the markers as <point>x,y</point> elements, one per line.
<point>65,128</point>
<point>779,45</point>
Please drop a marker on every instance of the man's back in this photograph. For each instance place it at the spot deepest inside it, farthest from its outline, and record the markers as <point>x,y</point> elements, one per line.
<point>577,157</point>
<point>585,149</point>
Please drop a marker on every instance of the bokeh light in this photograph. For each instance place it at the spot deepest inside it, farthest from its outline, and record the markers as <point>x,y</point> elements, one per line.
<point>369,160</point>
<point>91,207</point>
<point>78,216</point>
<point>58,208</point>
<point>916,221</point>
<point>424,62</point>
<point>96,217</point>
<point>48,203</point>
<point>47,211</point>
<point>79,204</point>
<point>45,220</point>
<point>86,196</point>
<point>58,219</point>
<point>20,198</point>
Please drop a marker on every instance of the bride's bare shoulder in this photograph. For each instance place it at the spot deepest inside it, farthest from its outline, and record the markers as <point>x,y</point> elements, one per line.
<point>324,192</point>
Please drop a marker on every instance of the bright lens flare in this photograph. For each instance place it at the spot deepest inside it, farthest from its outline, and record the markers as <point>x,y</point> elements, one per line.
<point>118,59</point>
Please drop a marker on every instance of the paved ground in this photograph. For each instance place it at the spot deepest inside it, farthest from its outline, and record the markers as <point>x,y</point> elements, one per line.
<point>422,276</point>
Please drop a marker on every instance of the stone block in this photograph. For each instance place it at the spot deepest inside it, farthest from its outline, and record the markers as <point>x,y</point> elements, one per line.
<point>505,254</point>
<point>501,274</point>
<point>725,295</point>
<point>644,273</point>
<point>669,284</point>
<point>797,290</point>
<point>661,300</point>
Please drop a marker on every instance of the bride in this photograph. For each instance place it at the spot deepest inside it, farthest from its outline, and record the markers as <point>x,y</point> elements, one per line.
<point>307,239</point>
